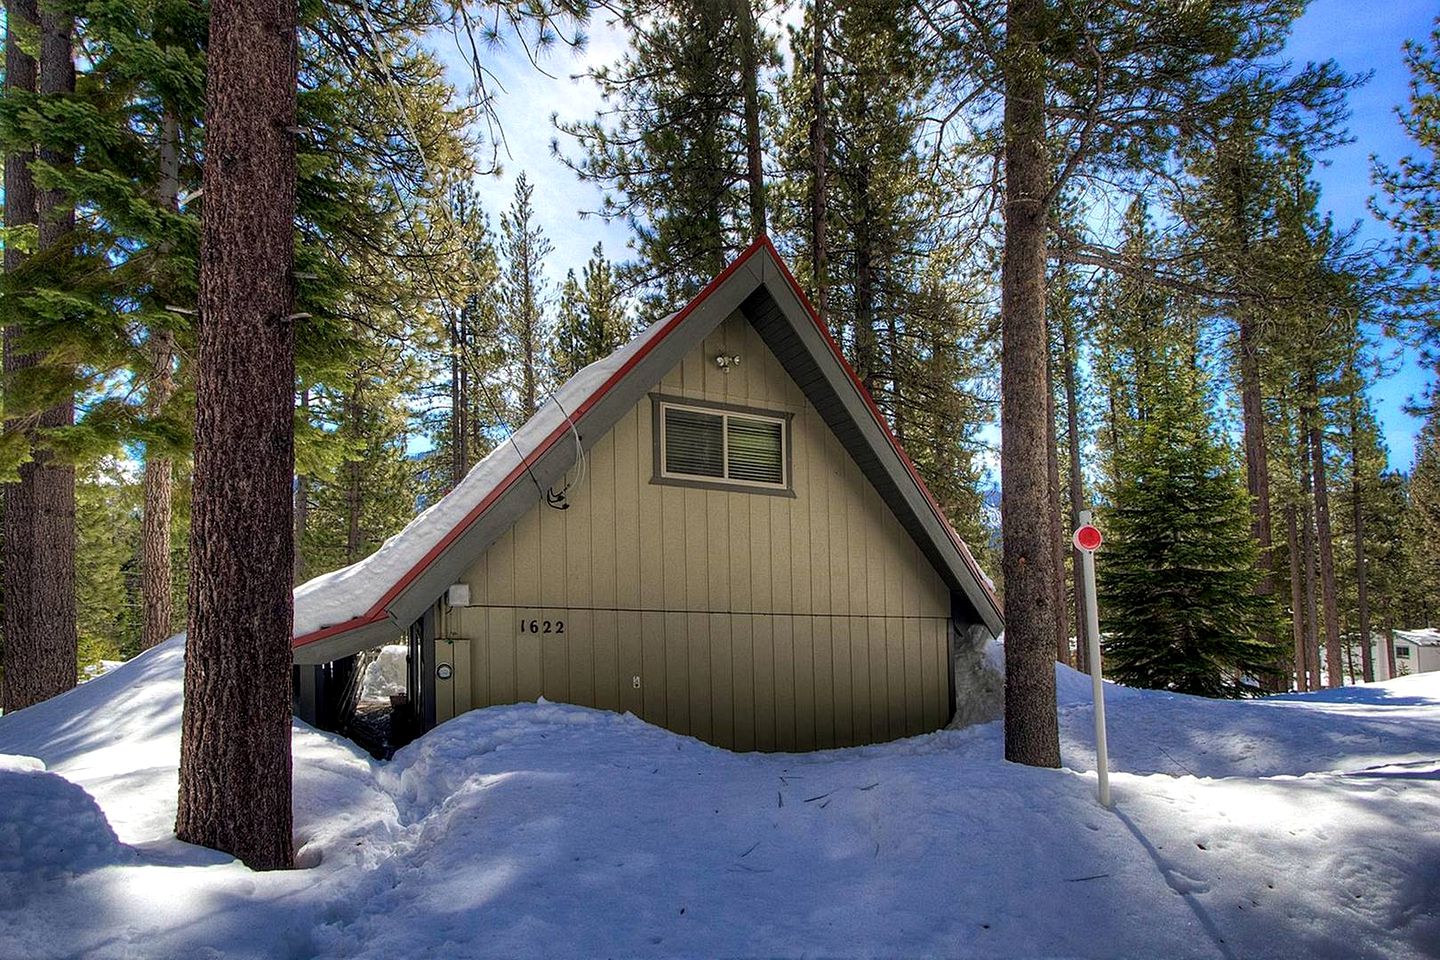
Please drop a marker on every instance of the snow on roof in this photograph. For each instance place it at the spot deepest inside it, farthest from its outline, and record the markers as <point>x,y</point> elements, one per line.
<point>351,592</point>
<point>1424,637</point>
<point>359,595</point>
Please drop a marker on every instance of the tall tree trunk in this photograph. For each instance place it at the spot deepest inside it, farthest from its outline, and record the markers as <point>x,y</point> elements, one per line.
<point>1077,484</point>
<point>354,501</point>
<point>1390,643</point>
<point>235,731</point>
<point>156,593</point>
<point>1324,541</point>
<point>897,390</point>
<point>302,505</point>
<point>750,83</point>
<point>1357,496</point>
<point>867,348</point>
<point>1257,463</point>
<point>1031,730</point>
<point>1307,548</point>
<point>39,514</point>
<point>1297,600</point>
<point>353,472</point>
<point>819,250</point>
<point>1057,523</point>
<point>529,348</point>
<point>459,403</point>
<point>1350,658</point>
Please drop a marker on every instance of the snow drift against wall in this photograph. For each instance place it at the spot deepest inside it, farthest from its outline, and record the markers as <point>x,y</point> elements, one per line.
<point>545,829</point>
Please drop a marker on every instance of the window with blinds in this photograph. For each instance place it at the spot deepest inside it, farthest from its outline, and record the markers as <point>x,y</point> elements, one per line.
<point>724,446</point>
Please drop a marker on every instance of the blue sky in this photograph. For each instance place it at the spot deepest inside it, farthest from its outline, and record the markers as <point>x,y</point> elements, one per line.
<point>1361,36</point>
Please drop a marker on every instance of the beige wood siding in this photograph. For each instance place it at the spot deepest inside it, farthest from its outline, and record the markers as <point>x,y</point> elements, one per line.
<point>751,621</point>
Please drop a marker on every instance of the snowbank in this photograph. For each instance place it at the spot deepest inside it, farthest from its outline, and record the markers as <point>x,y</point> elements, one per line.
<point>350,592</point>
<point>552,830</point>
<point>385,676</point>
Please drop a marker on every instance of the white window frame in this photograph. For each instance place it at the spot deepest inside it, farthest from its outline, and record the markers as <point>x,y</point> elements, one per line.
<point>725,414</point>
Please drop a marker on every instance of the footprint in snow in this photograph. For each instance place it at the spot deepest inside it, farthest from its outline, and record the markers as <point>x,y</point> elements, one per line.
<point>1182,883</point>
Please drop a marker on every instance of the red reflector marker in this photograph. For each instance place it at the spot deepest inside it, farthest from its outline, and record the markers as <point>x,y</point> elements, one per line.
<point>1087,538</point>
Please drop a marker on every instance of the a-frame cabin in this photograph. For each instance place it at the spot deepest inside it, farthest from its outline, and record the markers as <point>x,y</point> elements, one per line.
<point>714,529</point>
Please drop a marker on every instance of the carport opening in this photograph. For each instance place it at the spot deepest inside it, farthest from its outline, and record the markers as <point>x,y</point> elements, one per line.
<point>367,697</point>
<point>383,718</point>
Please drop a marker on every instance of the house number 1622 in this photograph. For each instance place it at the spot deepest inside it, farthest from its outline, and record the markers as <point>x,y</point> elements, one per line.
<point>542,626</point>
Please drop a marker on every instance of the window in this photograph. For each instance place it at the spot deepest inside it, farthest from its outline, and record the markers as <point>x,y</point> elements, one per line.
<point>718,445</point>
<point>1402,651</point>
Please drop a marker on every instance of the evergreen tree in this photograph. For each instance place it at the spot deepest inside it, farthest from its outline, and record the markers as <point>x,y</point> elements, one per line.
<point>902,293</point>
<point>463,416</point>
<point>677,147</point>
<point>39,497</point>
<point>523,299</point>
<point>1422,523</point>
<point>1412,191</point>
<point>240,579</point>
<point>1177,584</point>
<point>591,317</point>
<point>107,534</point>
<point>370,494</point>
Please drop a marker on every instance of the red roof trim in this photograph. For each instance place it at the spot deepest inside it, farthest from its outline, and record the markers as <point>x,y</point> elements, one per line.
<point>884,426</point>
<point>377,612</point>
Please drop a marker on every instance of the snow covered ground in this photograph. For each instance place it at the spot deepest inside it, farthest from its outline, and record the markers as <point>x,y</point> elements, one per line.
<point>1298,826</point>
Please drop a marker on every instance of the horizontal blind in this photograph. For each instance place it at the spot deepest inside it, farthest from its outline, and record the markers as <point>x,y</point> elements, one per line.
<point>694,443</point>
<point>756,450</point>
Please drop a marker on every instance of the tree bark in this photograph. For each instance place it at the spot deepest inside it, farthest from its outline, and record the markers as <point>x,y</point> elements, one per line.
<point>1357,496</point>
<point>1031,730</point>
<point>1325,544</point>
<point>1057,523</point>
<point>1350,660</point>
<point>1077,484</point>
<point>1307,549</point>
<point>156,593</point>
<point>819,251</point>
<point>235,731</point>
<point>1390,645</point>
<point>867,347</point>
<point>353,478</point>
<point>750,83</point>
<point>1297,601</point>
<point>39,515</point>
<point>529,374</point>
<point>302,505</point>
<point>459,402</point>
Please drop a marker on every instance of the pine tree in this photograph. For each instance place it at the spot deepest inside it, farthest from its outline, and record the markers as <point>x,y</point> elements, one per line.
<point>39,509</point>
<point>524,297</point>
<point>468,343</point>
<point>1179,572</point>
<point>236,721</point>
<point>902,293</point>
<point>591,321</point>
<point>676,148</point>
<point>107,533</point>
<point>1412,191</point>
<point>1106,91</point>
<point>1422,522</point>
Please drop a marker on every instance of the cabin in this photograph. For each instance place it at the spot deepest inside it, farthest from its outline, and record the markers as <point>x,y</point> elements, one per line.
<point>713,529</point>
<point>1416,651</point>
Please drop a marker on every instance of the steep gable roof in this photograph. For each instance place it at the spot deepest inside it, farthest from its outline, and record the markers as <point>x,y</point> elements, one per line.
<point>370,601</point>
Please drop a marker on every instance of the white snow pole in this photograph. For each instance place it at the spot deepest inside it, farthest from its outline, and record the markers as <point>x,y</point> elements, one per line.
<point>1086,539</point>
